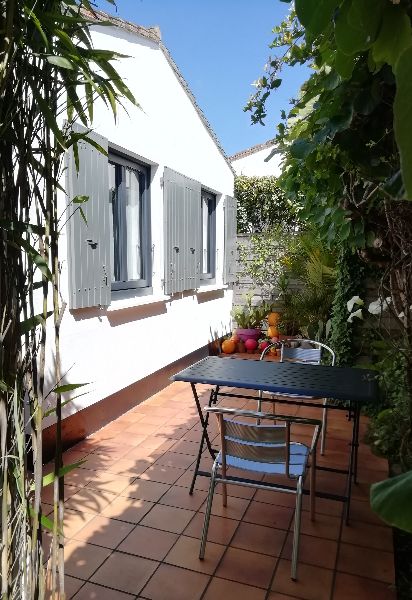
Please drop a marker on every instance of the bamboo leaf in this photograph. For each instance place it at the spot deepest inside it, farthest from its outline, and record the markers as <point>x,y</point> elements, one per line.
<point>32,322</point>
<point>83,215</point>
<point>4,387</point>
<point>59,61</point>
<point>53,410</point>
<point>67,387</point>
<point>80,199</point>
<point>50,477</point>
<point>34,256</point>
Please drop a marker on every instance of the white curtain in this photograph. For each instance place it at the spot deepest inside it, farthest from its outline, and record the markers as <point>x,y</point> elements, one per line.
<point>132,217</point>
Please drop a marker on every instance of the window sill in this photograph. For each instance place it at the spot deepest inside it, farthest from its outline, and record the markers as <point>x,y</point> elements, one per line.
<point>212,288</point>
<point>131,302</point>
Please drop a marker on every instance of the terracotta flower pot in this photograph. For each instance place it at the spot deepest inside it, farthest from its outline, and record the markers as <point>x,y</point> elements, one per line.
<point>248,334</point>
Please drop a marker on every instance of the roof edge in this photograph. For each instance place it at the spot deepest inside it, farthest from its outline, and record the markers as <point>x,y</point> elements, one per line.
<point>252,150</point>
<point>154,34</point>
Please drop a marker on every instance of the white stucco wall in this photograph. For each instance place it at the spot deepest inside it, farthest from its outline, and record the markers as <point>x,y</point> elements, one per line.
<point>134,337</point>
<point>254,165</point>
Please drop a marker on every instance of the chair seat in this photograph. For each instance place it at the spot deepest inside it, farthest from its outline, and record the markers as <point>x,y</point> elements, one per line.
<point>297,464</point>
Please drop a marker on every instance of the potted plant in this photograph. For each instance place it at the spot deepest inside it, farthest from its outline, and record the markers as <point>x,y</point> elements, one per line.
<point>249,319</point>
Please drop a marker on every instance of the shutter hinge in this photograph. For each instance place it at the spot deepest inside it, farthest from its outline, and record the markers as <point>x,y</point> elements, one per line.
<point>162,181</point>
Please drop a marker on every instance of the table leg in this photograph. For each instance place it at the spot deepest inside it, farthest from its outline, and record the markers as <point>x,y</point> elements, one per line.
<point>204,420</point>
<point>352,471</point>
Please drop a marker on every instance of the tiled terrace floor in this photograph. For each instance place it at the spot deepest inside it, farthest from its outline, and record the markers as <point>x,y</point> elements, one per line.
<point>133,530</point>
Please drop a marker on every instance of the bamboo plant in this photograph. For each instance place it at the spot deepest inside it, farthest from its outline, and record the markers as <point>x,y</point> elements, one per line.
<point>49,71</point>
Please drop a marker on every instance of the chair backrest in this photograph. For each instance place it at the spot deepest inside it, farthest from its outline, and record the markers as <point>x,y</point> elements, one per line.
<point>311,353</point>
<point>257,442</point>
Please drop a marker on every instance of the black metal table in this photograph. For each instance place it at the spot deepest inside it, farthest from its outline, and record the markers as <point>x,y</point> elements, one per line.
<point>355,386</point>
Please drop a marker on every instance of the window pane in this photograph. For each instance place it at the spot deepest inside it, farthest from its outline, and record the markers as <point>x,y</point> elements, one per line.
<point>132,218</point>
<point>113,219</point>
<point>205,235</point>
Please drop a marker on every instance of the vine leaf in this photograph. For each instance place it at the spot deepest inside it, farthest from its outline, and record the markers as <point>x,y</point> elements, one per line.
<point>403,117</point>
<point>315,15</point>
<point>389,47</point>
<point>391,500</point>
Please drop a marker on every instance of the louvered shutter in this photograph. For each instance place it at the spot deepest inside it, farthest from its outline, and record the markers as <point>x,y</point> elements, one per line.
<point>182,236</point>
<point>89,244</point>
<point>230,266</point>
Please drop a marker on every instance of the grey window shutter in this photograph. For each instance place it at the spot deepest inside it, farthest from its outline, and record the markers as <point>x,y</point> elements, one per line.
<point>182,238</point>
<point>230,265</point>
<point>89,244</point>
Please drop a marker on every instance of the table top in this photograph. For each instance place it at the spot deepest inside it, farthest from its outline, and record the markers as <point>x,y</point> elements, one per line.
<point>340,383</point>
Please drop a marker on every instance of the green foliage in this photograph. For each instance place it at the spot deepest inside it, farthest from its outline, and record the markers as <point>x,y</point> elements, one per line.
<point>391,500</point>
<point>350,275</point>
<point>390,429</point>
<point>261,204</point>
<point>249,316</point>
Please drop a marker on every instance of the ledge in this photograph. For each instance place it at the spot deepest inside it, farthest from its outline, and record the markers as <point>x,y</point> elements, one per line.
<point>212,288</point>
<point>131,302</point>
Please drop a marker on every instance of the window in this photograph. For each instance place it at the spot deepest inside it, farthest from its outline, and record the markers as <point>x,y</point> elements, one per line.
<point>208,217</point>
<point>129,223</point>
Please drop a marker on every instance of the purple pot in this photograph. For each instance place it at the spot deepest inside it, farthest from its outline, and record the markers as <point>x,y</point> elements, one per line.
<point>248,334</point>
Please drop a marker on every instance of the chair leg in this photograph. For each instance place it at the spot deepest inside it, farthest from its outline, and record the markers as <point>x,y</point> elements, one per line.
<point>208,511</point>
<point>324,426</point>
<point>296,530</point>
<point>312,498</point>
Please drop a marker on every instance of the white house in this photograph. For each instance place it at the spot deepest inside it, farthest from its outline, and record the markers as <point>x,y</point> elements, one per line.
<point>146,280</point>
<point>252,162</point>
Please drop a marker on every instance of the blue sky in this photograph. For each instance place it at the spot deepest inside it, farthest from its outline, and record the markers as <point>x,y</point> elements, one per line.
<point>220,47</point>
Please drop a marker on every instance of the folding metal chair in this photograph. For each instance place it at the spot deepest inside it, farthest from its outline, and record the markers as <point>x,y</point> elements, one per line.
<point>311,355</point>
<point>263,449</point>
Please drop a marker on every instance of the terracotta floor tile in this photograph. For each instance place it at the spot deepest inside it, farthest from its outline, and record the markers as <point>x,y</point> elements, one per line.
<point>365,534</point>
<point>148,542</point>
<point>256,538</point>
<point>109,482</point>
<point>91,591</point>
<point>180,497</point>
<point>173,432</point>
<point>129,467</point>
<point>104,532</point>
<point>360,510</point>
<point>141,453</point>
<point>71,586</point>
<point>173,459</point>
<point>358,561</point>
<point>201,483</point>
<point>260,513</point>
<point>246,567</point>
<point>235,508</point>
<point>156,441</point>
<point>319,552</point>
<point>168,518</point>
<point>222,589</point>
<point>277,596</point>
<point>313,583</point>
<point>162,474</point>
<point>140,429</point>
<point>125,573</point>
<point>127,509</point>
<point>90,500</point>
<point>173,583</point>
<point>323,506</point>
<point>360,588</point>
<point>75,520</point>
<point>279,498</point>
<point>146,490</point>
<point>81,559</point>
<point>186,447</point>
<point>185,553</point>
<point>323,526</point>
<point>47,493</point>
<point>78,477</point>
<point>93,462</point>
<point>221,529</point>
